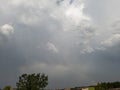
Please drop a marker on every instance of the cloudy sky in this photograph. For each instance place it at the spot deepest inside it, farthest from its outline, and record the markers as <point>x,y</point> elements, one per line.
<point>75,42</point>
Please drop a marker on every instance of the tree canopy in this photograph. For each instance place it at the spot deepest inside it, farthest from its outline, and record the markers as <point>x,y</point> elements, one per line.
<point>107,85</point>
<point>32,81</point>
<point>7,88</point>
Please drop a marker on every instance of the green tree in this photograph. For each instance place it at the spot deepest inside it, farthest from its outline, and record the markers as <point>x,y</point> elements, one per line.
<point>32,82</point>
<point>7,88</point>
<point>107,85</point>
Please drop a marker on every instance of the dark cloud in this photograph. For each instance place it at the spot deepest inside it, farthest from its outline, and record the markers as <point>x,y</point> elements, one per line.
<point>11,58</point>
<point>62,41</point>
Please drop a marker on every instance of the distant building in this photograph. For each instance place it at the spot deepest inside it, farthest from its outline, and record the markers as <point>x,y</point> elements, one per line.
<point>88,88</point>
<point>85,88</point>
<point>82,88</point>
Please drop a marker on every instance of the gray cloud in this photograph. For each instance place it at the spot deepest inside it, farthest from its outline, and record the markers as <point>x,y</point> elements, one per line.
<point>66,39</point>
<point>11,59</point>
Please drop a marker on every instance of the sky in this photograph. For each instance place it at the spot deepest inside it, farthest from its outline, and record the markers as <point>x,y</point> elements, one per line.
<point>74,42</point>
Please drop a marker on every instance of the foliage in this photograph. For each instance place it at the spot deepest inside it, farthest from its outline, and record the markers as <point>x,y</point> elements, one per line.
<point>32,82</point>
<point>107,85</point>
<point>91,88</point>
<point>7,88</point>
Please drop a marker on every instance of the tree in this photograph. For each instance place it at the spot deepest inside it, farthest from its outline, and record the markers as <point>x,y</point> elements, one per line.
<point>32,82</point>
<point>107,85</point>
<point>7,88</point>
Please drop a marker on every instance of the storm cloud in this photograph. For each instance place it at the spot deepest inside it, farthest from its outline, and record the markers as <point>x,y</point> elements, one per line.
<point>75,42</point>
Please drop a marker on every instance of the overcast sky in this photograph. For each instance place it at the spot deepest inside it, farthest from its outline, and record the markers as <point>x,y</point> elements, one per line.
<point>74,42</point>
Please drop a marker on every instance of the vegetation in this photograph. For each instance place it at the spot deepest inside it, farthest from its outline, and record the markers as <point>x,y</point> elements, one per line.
<point>39,81</point>
<point>7,88</point>
<point>32,82</point>
<point>101,86</point>
<point>107,85</point>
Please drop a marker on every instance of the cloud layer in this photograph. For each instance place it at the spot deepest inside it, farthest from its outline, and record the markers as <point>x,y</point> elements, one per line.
<point>75,42</point>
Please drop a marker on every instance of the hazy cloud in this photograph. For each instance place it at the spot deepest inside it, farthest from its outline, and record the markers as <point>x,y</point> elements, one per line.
<point>52,47</point>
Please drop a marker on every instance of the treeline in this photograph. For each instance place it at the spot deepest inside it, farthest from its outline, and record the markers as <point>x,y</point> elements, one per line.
<point>100,86</point>
<point>34,81</point>
<point>107,85</point>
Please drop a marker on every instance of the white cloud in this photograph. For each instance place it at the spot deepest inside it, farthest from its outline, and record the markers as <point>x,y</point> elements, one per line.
<point>75,14</point>
<point>111,41</point>
<point>87,49</point>
<point>52,47</point>
<point>69,15</point>
<point>6,29</point>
